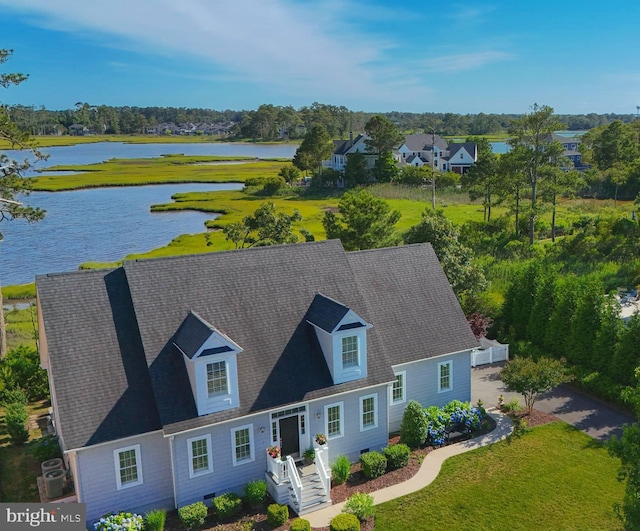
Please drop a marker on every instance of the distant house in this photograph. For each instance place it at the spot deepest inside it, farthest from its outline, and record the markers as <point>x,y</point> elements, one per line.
<point>571,149</point>
<point>416,150</point>
<point>171,377</point>
<point>78,130</point>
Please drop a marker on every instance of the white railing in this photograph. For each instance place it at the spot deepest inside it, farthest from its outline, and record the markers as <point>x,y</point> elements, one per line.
<point>322,466</point>
<point>295,479</point>
<point>277,468</point>
<point>491,352</point>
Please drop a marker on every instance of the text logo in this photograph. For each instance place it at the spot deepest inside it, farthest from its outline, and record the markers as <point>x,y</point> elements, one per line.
<point>43,516</point>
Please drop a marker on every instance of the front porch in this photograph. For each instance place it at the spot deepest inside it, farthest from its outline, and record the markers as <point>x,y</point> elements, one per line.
<point>305,487</point>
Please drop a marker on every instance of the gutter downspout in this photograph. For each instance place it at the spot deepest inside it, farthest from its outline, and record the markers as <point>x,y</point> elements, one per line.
<point>173,474</point>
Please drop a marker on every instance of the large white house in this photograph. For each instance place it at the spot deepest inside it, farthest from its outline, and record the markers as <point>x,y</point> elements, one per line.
<point>171,377</point>
<point>418,150</point>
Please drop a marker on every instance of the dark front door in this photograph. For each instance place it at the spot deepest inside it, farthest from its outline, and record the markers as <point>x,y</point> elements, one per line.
<point>289,438</point>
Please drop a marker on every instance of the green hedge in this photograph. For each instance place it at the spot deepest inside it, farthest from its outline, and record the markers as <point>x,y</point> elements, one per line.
<point>277,514</point>
<point>397,455</point>
<point>300,524</point>
<point>344,522</point>
<point>374,464</point>
<point>226,505</point>
<point>193,515</point>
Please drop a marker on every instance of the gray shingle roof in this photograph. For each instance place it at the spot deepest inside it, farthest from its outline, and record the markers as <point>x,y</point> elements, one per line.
<point>424,141</point>
<point>470,147</point>
<point>262,299</point>
<point>193,332</point>
<point>97,363</point>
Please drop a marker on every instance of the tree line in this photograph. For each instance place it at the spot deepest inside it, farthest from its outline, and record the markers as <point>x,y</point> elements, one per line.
<point>270,122</point>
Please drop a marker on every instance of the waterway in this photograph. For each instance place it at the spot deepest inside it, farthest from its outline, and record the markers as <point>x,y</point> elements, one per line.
<point>107,224</point>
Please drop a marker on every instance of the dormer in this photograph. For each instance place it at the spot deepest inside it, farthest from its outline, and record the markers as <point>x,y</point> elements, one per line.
<point>211,361</point>
<point>342,335</point>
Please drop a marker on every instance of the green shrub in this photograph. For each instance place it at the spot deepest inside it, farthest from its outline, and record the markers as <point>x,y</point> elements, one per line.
<point>44,448</point>
<point>397,455</point>
<point>21,368</point>
<point>15,396</point>
<point>119,522</point>
<point>413,431</point>
<point>154,521</point>
<point>277,514</point>
<point>374,464</point>
<point>360,505</point>
<point>15,417</point>
<point>344,522</point>
<point>226,505</point>
<point>340,470</point>
<point>255,492</point>
<point>300,524</point>
<point>193,515</point>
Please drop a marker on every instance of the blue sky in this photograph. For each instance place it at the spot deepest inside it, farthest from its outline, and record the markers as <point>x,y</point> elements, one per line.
<point>578,56</point>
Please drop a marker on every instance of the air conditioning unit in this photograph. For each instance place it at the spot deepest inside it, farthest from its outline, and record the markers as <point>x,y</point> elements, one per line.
<point>51,464</point>
<point>54,483</point>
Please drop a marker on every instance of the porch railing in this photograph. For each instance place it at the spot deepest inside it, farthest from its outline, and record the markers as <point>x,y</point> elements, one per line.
<point>296,484</point>
<point>322,466</point>
<point>277,468</point>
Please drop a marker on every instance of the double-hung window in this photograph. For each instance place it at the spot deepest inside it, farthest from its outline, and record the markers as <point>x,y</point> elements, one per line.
<point>333,416</point>
<point>350,352</point>
<point>199,455</point>
<point>242,444</point>
<point>217,383</point>
<point>128,466</point>
<point>368,412</point>
<point>445,376</point>
<point>398,388</point>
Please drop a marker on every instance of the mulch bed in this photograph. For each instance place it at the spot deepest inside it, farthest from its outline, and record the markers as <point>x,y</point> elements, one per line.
<point>257,519</point>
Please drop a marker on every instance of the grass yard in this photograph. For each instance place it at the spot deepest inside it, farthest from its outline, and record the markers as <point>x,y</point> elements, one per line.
<point>22,326</point>
<point>554,477</point>
<point>19,470</point>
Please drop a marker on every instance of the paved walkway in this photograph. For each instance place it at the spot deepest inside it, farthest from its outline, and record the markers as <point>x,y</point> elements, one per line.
<point>429,470</point>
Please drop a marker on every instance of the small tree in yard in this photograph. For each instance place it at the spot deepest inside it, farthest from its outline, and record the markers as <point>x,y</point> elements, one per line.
<point>533,378</point>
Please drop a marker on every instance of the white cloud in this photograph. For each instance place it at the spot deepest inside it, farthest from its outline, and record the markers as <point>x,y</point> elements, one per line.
<point>466,61</point>
<point>299,47</point>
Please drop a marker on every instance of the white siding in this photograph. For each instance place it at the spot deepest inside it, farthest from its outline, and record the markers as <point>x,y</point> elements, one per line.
<point>421,384</point>
<point>96,477</point>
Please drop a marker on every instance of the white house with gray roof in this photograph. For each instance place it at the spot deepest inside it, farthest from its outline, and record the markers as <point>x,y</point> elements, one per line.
<point>418,150</point>
<point>171,377</point>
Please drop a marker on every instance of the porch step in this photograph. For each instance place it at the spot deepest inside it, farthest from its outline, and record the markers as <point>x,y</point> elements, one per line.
<point>313,496</point>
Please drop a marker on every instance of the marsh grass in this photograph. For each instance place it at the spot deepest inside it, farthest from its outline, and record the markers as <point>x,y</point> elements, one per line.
<point>554,477</point>
<point>168,169</point>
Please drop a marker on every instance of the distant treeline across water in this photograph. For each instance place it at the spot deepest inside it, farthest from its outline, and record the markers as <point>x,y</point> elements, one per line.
<point>272,122</point>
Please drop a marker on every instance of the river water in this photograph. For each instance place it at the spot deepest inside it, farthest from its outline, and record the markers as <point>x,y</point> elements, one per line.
<point>106,224</point>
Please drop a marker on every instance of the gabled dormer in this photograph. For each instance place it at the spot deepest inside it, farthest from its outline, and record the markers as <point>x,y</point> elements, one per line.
<point>211,361</point>
<point>342,335</point>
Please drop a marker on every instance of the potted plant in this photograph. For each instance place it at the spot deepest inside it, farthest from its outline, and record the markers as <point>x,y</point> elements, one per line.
<point>321,439</point>
<point>274,452</point>
<point>309,456</point>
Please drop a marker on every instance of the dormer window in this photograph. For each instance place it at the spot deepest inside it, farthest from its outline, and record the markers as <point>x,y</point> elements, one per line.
<point>211,361</point>
<point>350,357</point>
<point>217,383</point>
<point>342,335</point>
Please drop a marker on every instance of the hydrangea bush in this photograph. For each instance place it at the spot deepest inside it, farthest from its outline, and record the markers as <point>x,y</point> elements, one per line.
<point>119,522</point>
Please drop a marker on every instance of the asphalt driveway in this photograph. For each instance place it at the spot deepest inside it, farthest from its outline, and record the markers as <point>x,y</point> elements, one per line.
<point>595,418</point>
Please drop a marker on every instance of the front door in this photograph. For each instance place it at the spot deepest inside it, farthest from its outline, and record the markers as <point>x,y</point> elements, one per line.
<point>289,437</point>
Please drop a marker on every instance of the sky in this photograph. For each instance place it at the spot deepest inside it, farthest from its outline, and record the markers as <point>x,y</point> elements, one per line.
<point>577,56</point>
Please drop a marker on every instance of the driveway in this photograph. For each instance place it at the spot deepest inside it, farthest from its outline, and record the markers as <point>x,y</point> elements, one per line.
<point>595,418</point>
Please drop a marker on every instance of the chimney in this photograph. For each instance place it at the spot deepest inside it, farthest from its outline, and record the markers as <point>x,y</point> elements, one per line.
<point>351,135</point>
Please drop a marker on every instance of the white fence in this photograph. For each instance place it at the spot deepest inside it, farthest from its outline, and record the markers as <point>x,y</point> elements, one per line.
<point>490,351</point>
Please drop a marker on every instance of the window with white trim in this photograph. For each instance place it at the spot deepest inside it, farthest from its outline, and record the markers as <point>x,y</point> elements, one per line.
<point>333,414</point>
<point>445,376</point>
<point>368,412</point>
<point>398,388</point>
<point>199,456</point>
<point>242,443</point>
<point>128,466</point>
<point>350,351</point>
<point>217,383</point>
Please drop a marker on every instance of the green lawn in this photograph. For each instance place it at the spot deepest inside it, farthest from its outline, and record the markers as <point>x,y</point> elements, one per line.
<point>19,470</point>
<point>553,478</point>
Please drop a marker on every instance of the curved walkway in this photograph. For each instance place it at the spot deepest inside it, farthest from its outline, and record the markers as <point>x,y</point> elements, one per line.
<point>428,471</point>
